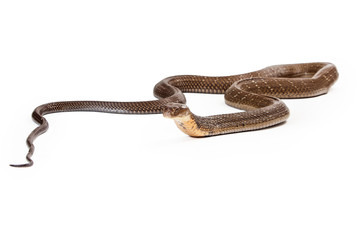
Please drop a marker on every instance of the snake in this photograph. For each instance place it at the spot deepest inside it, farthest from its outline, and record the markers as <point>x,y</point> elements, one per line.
<point>257,93</point>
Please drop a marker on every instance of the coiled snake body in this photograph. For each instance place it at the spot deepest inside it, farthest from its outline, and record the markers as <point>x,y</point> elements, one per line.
<point>256,92</point>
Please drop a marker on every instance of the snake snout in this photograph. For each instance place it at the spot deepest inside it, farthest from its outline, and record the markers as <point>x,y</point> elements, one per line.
<point>174,110</point>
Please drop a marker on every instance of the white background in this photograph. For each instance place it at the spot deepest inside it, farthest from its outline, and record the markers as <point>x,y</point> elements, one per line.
<point>108,176</point>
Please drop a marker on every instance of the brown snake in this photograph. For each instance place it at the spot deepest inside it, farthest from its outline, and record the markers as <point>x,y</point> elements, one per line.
<point>256,92</point>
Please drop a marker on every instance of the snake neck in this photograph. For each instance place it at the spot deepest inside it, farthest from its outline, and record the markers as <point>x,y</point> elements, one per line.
<point>197,126</point>
<point>189,125</point>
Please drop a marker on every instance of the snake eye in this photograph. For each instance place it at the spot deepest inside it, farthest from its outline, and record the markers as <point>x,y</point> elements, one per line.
<point>176,111</point>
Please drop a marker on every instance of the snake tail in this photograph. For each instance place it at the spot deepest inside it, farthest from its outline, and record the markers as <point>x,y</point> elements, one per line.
<point>93,106</point>
<point>42,128</point>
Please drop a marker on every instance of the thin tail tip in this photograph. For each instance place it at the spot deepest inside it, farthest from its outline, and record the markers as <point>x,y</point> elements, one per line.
<point>24,165</point>
<point>21,165</point>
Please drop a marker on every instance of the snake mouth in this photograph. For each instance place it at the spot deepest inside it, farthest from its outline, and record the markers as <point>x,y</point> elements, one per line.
<point>175,110</point>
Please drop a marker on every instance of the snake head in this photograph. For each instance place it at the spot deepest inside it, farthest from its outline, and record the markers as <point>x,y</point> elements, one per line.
<point>175,110</point>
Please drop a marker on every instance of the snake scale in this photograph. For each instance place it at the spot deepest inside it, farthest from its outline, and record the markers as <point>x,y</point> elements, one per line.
<point>255,92</point>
